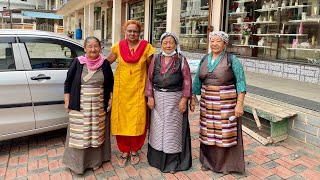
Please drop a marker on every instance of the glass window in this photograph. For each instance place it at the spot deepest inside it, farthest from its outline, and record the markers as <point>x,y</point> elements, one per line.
<point>194,25</point>
<point>273,29</point>
<point>49,56</point>
<point>6,57</point>
<point>137,13</point>
<point>159,23</point>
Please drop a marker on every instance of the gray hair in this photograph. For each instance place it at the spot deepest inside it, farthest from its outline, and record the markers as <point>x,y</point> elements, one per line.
<point>224,36</point>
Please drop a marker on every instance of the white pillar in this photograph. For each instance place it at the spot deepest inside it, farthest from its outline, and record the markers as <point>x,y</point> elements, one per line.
<point>50,5</point>
<point>37,4</point>
<point>85,21</point>
<point>216,11</point>
<point>173,17</point>
<point>116,21</point>
<point>34,26</point>
<point>146,31</point>
<point>57,4</point>
<point>21,19</point>
<point>65,24</point>
<point>69,23</point>
<point>46,4</point>
<point>91,19</point>
<point>76,19</point>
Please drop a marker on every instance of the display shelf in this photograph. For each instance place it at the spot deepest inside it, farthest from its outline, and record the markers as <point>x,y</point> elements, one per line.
<point>294,7</point>
<point>256,46</point>
<point>240,45</point>
<point>265,35</point>
<point>244,1</point>
<point>292,35</point>
<point>161,14</point>
<point>235,34</point>
<point>185,26</point>
<point>204,7</point>
<point>304,49</point>
<point>243,23</point>
<point>266,22</point>
<point>238,13</point>
<point>305,21</point>
<point>266,10</point>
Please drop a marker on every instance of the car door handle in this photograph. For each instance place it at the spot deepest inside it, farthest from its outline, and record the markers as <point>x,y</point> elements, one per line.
<point>40,77</point>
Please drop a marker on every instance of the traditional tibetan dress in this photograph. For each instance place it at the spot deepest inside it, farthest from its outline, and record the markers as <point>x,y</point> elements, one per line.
<point>218,82</point>
<point>169,133</point>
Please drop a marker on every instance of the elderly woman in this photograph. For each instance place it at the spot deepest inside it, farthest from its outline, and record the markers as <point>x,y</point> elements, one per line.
<point>88,88</point>
<point>168,90</point>
<point>221,83</point>
<point>129,106</point>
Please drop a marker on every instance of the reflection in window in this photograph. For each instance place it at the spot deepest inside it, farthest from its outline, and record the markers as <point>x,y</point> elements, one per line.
<point>159,23</point>
<point>194,25</point>
<point>137,13</point>
<point>6,57</point>
<point>272,29</point>
<point>46,55</point>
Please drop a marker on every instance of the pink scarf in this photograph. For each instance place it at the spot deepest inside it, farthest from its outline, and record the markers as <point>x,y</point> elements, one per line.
<point>91,64</point>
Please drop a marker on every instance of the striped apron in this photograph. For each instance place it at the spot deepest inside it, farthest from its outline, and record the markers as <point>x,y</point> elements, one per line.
<point>87,126</point>
<point>217,104</point>
<point>165,132</point>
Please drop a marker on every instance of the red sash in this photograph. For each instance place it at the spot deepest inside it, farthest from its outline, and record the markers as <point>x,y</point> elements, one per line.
<point>127,55</point>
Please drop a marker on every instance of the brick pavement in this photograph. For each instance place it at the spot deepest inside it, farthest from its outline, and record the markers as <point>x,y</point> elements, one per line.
<point>40,157</point>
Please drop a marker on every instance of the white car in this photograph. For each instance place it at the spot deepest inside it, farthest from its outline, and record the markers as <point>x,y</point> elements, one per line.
<point>33,67</point>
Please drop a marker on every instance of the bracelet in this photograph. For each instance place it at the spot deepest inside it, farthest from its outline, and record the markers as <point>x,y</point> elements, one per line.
<point>240,101</point>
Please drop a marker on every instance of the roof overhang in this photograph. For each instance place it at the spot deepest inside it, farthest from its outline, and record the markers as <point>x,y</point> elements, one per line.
<point>74,5</point>
<point>45,15</point>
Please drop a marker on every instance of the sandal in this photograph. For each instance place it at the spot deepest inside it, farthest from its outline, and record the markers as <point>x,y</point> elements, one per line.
<point>204,168</point>
<point>123,161</point>
<point>135,159</point>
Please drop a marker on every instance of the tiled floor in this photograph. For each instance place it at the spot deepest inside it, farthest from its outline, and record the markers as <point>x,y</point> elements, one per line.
<point>40,156</point>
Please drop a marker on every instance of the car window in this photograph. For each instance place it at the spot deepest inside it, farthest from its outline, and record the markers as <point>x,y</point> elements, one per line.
<point>6,56</point>
<point>49,53</point>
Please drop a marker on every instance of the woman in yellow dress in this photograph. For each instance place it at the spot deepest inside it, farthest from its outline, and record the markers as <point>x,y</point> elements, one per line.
<point>129,108</point>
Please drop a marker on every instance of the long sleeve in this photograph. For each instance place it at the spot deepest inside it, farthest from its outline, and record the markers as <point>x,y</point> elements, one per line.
<point>196,85</point>
<point>149,85</point>
<point>241,85</point>
<point>70,75</point>
<point>110,79</point>
<point>186,86</point>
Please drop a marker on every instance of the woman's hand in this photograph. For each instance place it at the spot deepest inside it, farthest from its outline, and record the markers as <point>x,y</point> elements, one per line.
<point>192,104</point>
<point>238,110</point>
<point>183,104</point>
<point>66,102</point>
<point>150,102</point>
<point>109,104</point>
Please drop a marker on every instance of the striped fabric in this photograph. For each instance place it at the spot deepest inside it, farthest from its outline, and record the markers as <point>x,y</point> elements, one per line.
<point>87,127</point>
<point>216,106</point>
<point>165,132</point>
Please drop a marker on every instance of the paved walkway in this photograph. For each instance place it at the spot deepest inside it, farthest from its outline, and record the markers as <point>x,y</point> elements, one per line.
<point>40,157</point>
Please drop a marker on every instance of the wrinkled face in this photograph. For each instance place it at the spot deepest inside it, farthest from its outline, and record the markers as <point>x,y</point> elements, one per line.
<point>132,32</point>
<point>92,49</point>
<point>168,44</point>
<point>217,45</point>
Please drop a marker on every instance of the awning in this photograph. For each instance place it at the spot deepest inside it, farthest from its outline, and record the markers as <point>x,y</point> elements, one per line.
<point>41,15</point>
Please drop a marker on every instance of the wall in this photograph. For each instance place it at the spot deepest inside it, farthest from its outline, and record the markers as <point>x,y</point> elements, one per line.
<point>299,72</point>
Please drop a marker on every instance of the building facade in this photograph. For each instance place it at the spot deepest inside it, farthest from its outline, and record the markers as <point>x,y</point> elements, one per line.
<point>30,14</point>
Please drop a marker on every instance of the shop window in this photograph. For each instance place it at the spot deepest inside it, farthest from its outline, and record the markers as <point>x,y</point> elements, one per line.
<point>136,12</point>
<point>273,29</point>
<point>194,24</point>
<point>159,23</point>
